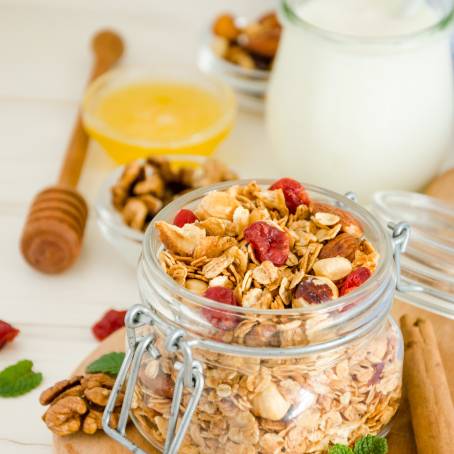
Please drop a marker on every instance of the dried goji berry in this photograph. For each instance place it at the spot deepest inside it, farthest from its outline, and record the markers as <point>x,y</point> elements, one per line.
<point>268,242</point>
<point>354,280</point>
<point>109,323</point>
<point>294,193</point>
<point>184,217</point>
<point>221,319</point>
<point>7,333</point>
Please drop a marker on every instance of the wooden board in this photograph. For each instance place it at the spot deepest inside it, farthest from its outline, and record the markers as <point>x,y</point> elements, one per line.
<point>400,439</point>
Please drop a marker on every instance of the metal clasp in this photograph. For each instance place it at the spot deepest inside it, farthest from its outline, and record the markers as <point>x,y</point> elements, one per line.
<point>400,238</point>
<point>189,375</point>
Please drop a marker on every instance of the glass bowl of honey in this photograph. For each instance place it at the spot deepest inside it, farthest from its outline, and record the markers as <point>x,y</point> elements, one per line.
<point>135,112</point>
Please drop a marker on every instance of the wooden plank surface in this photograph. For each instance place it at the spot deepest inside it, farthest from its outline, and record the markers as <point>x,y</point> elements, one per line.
<point>44,61</point>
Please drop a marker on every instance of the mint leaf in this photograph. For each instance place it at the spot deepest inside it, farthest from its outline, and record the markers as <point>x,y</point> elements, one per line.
<point>340,449</point>
<point>371,444</point>
<point>19,379</point>
<point>107,364</point>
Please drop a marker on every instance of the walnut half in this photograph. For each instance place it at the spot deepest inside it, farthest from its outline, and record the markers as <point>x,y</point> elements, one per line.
<point>77,404</point>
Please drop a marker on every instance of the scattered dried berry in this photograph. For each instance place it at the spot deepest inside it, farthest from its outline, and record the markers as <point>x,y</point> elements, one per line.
<point>268,242</point>
<point>354,280</point>
<point>313,291</point>
<point>184,217</point>
<point>221,319</point>
<point>110,322</point>
<point>7,333</point>
<point>294,193</point>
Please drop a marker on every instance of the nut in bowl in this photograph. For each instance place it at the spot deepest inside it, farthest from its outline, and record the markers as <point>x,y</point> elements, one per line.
<point>242,52</point>
<point>295,352</point>
<point>133,194</point>
<point>134,113</point>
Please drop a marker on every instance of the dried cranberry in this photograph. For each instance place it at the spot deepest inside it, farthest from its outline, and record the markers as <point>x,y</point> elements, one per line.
<point>110,322</point>
<point>294,193</point>
<point>354,280</point>
<point>313,291</point>
<point>7,333</point>
<point>268,242</point>
<point>184,217</point>
<point>218,318</point>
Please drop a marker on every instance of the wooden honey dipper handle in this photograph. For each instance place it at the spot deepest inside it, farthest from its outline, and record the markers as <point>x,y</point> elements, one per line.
<point>53,232</point>
<point>108,48</point>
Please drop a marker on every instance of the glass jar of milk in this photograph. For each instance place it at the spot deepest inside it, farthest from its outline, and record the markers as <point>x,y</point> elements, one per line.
<point>361,94</point>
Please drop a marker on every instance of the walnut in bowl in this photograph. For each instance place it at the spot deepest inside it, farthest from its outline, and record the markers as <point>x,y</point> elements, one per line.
<point>133,194</point>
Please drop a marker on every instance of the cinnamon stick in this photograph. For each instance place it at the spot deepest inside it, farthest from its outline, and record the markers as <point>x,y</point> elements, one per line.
<point>431,408</point>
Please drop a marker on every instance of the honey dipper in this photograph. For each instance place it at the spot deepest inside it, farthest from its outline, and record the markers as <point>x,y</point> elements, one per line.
<point>52,235</point>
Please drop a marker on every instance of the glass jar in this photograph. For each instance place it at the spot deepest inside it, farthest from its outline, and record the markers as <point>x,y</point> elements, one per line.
<point>363,91</point>
<point>293,380</point>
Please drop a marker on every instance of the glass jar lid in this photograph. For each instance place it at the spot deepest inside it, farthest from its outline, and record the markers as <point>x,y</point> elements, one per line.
<point>428,263</point>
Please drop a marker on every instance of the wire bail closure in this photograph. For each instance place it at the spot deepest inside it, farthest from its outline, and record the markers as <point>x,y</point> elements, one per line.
<point>400,237</point>
<point>189,375</point>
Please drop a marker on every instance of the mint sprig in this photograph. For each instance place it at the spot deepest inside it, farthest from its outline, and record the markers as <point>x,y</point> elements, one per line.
<point>107,364</point>
<point>370,444</point>
<point>340,449</point>
<point>19,379</point>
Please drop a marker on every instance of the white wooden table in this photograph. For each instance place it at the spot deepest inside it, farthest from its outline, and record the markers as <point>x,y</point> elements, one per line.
<point>44,60</point>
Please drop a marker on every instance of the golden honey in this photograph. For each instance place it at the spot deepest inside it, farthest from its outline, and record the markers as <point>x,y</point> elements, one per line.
<point>144,117</point>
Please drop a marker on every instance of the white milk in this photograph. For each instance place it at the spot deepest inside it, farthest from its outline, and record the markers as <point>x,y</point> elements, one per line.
<point>361,116</point>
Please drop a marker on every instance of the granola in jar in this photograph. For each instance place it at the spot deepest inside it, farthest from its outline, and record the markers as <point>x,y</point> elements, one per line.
<point>273,269</point>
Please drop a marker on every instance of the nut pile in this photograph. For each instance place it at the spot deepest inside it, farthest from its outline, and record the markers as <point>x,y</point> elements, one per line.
<point>273,248</point>
<point>147,186</point>
<point>253,46</point>
<point>77,404</point>
<point>266,249</point>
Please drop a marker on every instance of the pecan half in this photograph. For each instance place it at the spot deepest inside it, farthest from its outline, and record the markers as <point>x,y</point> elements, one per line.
<point>344,245</point>
<point>349,223</point>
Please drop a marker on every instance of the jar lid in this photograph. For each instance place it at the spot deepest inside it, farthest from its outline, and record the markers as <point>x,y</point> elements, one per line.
<point>428,262</point>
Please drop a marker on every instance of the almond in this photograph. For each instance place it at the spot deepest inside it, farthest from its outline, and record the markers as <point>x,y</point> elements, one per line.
<point>344,245</point>
<point>349,224</point>
<point>334,268</point>
<point>270,404</point>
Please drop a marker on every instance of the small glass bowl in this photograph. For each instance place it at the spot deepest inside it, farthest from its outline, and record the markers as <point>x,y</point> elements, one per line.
<point>250,85</point>
<point>124,148</point>
<point>124,239</point>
